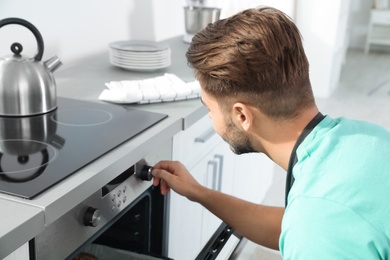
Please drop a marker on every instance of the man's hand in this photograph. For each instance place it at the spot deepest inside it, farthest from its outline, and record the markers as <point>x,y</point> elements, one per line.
<point>174,175</point>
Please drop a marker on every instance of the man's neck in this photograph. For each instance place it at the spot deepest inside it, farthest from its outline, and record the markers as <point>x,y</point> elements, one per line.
<point>278,138</point>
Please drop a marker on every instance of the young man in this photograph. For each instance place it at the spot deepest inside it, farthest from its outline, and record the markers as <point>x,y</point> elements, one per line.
<point>254,78</point>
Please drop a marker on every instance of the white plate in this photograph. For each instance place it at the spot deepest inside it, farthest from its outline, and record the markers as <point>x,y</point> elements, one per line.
<point>139,68</point>
<point>139,57</point>
<point>142,54</point>
<point>139,64</point>
<point>139,60</point>
<point>139,46</point>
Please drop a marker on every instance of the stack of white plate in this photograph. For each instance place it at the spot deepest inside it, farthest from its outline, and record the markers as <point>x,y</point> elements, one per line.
<point>140,55</point>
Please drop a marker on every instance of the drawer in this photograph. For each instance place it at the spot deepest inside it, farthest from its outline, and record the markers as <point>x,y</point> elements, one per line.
<point>193,144</point>
<point>380,17</point>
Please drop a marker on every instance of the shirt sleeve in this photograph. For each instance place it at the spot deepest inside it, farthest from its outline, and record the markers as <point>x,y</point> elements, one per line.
<point>316,228</point>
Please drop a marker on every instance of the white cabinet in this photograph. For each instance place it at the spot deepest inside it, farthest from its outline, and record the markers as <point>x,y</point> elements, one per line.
<point>184,231</point>
<point>212,163</point>
<point>214,171</point>
<point>378,29</point>
<point>253,177</point>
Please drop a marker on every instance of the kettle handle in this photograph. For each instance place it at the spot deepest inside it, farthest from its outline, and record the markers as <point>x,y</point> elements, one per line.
<point>32,28</point>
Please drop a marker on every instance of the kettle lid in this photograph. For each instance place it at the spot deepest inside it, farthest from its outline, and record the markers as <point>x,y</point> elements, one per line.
<point>16,48</point>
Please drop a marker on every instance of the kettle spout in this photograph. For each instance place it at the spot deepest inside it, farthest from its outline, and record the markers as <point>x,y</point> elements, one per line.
<point>53,63</point>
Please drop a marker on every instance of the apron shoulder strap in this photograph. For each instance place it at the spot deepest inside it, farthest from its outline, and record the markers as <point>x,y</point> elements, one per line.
<point>293,158</point>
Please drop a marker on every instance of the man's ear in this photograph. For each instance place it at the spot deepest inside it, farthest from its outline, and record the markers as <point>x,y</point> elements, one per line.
<point>242,115</point>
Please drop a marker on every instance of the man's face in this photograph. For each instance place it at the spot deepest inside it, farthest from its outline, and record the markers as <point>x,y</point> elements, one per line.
<point>238,139</point>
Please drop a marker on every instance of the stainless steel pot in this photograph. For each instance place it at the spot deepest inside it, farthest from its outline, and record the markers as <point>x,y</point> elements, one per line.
<point>198,17</point>
<point>27,86</point>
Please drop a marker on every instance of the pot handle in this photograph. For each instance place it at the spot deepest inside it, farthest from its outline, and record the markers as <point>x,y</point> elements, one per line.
<point>32,28</point>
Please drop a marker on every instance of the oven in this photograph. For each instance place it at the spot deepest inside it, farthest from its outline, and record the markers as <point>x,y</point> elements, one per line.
<point>116,222</point>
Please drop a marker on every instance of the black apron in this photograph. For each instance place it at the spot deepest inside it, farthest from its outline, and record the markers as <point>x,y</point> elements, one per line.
<point>293,158</point>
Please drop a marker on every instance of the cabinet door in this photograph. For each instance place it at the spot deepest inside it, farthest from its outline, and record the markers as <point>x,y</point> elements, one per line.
<point>254,175</point>
<point>219,176</point>
<point>191,225</point>
<point>226,161</point>
<point>193,147</point>
<point>184,230</point>
<point>193,144</point>
<point>206,172</point>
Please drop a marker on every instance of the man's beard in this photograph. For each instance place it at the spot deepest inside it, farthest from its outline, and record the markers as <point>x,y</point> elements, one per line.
<point>238,140</point>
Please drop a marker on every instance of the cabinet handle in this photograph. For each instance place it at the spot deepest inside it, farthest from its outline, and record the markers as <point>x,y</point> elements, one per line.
<point>214,174</point>
<point>219,157</point>
<point>205,136</point>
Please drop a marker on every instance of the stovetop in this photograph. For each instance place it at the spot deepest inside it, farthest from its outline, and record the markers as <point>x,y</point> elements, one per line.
<point>39,151</point>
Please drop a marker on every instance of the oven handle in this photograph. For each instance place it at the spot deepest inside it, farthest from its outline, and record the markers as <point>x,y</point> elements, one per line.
<point>223,241</point>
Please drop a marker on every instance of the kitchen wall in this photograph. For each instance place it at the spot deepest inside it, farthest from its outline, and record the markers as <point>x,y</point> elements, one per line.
<point>72,29</point>
<point>75,28</point>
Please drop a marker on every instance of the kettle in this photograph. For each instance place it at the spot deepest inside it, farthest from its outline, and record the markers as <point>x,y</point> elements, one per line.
<point>27,85</point>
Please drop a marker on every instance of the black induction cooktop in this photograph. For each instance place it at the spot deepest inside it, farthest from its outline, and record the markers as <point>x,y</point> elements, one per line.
<point>37,152</point>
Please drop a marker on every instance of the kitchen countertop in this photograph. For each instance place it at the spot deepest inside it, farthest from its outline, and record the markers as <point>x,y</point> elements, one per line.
<point>24,219</point>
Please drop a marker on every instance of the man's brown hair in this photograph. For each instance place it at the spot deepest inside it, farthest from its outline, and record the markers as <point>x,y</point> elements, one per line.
<point>254,57</point>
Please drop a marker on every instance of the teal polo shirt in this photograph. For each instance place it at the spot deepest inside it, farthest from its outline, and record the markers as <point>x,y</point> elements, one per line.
<point>339,205</point>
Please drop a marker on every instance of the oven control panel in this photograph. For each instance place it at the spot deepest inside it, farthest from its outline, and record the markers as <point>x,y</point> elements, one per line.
<point>117,191</point>
<point>118,197</point>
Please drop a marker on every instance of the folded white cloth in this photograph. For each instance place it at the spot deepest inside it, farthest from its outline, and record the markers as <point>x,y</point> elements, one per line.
<point>168,87</point>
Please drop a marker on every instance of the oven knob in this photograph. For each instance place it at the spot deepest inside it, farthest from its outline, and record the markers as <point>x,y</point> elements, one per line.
<point>92,217</point>
<point>145,173</point>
